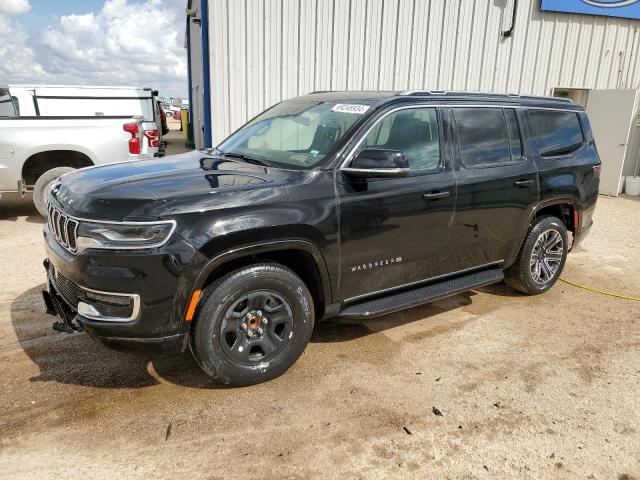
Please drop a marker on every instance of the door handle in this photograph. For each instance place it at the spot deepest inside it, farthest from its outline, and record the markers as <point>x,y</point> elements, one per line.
<point>435,195</point>
<point>522,183</point>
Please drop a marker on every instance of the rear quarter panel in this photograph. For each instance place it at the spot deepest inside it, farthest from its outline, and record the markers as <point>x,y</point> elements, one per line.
<point>572,178</point>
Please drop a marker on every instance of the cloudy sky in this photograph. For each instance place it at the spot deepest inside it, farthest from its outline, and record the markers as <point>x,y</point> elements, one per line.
<point>94,42</point>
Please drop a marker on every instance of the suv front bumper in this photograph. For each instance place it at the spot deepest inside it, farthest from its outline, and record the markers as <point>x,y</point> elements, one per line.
<point>131,300</point>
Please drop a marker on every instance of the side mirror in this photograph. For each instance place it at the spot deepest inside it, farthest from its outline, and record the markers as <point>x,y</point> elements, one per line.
<point>378,163</point>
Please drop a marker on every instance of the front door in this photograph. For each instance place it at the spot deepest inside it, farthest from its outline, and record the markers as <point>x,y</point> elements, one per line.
<point>395,231</point>
<point>497,184</point>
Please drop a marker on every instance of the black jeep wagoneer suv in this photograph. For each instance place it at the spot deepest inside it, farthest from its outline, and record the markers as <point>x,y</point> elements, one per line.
<point>333,204</point>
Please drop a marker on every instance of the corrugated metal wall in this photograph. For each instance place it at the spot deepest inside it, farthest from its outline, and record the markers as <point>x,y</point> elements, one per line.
<point>263,51</point>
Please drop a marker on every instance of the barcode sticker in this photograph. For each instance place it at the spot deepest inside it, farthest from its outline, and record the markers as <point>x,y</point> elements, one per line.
<point>350,108</point>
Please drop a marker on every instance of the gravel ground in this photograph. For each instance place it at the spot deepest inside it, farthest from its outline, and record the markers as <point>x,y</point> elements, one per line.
<point>521,387</point>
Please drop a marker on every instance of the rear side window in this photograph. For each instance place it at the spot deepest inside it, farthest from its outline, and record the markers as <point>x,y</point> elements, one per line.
<point>7,106</point>
<point>556,133</point>
<point>487,136</point>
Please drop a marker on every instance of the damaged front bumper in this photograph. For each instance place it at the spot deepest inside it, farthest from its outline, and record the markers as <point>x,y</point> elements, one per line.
<point>75,306</point>
<point>57,306</point>
<point>127,300</point>
<point>71,302</point>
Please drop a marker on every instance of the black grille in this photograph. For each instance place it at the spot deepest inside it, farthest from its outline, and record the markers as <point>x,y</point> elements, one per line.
<point>71,292</point>
<point>63,228</point>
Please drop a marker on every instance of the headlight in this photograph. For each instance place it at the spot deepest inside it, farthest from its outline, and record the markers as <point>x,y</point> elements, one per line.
<point>123,235</point>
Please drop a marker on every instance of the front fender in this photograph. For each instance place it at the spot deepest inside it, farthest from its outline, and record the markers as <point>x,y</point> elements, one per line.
<point>266,246</point>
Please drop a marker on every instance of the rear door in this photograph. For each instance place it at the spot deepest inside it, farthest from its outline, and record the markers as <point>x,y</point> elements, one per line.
<point>395,231</point>
<point>497,184</point>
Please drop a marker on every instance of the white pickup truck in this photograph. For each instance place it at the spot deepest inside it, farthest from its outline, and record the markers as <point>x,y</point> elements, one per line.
<point>47,131</point>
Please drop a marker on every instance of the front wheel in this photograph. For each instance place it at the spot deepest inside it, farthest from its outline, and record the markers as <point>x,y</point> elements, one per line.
<point>541,258</point>
<point>252,324</point>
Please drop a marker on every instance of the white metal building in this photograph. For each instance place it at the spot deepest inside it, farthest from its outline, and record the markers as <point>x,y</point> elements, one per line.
<point>246,55</point>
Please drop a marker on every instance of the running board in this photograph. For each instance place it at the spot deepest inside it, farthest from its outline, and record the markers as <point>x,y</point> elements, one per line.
<point>424,294</point>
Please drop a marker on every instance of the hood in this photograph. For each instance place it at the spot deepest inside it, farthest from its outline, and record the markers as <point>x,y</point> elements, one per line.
<point>150,189</point>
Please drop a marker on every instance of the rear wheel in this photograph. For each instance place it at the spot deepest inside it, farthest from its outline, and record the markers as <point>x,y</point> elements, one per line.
<point>42,186</point>
<point>252,324</point>
<point>541,258</point>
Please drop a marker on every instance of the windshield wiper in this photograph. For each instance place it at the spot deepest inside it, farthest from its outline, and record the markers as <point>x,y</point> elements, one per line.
<point>246,158</point>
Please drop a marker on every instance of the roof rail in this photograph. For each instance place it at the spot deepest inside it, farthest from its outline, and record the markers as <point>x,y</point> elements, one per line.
<point>542,97</point>
<point>429,93</point>
<point>414,93</point>
<point>426,93</point>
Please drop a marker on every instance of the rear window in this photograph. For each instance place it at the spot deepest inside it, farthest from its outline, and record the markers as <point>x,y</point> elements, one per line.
<point>487,136</point>
<point>7,106</point>
<point>556,133</point>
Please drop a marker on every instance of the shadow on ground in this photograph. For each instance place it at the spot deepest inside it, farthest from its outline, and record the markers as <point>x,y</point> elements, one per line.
<point>77,360</point>
<point>12,206</point>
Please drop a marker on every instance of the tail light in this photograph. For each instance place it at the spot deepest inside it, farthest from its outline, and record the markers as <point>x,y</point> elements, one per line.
<point>153,136</point>
<point>134,141</point>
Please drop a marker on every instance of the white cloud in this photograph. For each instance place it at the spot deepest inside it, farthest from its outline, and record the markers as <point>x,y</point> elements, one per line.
<point>123,44</point>
<point>79,23</point>
<point>18,62</point>
<point>14,7</point>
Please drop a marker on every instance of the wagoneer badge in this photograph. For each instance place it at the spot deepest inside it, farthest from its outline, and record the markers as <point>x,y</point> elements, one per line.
<point>376,264</point>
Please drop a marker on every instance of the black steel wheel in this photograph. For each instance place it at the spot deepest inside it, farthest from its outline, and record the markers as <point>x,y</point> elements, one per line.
<point>252,324</point>
<point>256,327</point>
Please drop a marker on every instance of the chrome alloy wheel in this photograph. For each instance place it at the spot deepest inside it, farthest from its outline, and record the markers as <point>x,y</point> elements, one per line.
<point>546,257</point>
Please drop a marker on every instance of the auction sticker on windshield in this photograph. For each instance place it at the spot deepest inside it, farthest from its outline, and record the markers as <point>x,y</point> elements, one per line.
<point>350,108</point>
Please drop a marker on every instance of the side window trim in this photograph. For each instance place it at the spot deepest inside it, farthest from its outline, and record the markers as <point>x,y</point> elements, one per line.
<point>352,150</point>
<point>519,133</point>
<point>16,105</point>
<point>587,133</point>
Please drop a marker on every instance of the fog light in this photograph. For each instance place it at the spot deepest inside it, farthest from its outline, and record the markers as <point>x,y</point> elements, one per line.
<point>109,299</point>
<point>109,307</point>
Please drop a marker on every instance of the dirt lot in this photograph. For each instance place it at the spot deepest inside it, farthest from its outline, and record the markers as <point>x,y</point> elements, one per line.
<point>544,387</point>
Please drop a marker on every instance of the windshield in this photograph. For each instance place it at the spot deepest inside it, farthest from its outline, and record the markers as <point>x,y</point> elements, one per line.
<point>296,133</point>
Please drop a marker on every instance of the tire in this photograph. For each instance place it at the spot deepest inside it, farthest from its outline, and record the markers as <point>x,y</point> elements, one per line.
<point>41,188</point>
<point>536,270</point>
<point>252,324</point>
